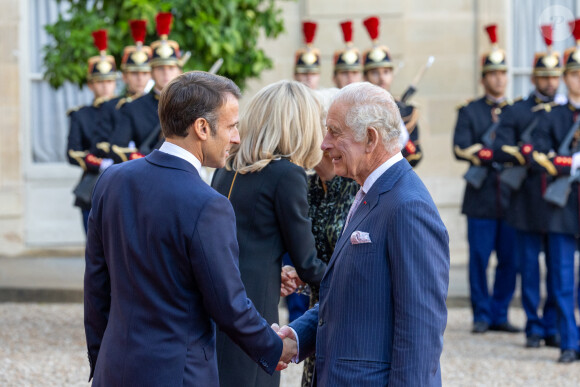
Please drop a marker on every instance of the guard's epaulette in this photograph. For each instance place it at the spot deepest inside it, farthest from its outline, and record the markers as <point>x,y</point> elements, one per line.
<point>74,109</point>
<point>545,106</point>
<point>464,104</point>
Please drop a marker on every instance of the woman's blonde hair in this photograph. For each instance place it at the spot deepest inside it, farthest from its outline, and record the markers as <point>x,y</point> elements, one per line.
<point>283,120</point>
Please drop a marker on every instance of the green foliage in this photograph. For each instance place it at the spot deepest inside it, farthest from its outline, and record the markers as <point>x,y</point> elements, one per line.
<point>209,29</point>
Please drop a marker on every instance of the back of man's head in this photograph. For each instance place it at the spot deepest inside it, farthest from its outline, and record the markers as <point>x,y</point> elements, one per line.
<point>371,106</point>
<point>193,95</point>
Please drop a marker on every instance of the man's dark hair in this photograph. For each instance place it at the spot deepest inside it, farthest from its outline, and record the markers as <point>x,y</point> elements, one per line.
<point>193,95</point>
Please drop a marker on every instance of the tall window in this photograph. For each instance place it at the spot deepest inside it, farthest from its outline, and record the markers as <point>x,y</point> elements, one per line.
<point>527,17</point>
<point>48,120</point>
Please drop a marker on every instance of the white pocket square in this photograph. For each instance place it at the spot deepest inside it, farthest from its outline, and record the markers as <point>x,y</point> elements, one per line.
<point>358,237</point>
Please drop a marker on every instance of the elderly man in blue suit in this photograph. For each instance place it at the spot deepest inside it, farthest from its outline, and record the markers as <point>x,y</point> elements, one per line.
<point>161,257</point>
<point>382,312</point>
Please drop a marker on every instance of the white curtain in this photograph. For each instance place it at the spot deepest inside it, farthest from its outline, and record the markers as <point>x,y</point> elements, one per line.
<point>49,123</point>
<point>527,39</point>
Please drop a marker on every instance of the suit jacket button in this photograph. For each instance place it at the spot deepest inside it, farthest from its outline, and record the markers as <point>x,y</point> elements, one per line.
<point>320,322</point>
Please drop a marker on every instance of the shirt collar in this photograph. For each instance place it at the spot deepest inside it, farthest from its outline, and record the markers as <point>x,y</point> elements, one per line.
<point>177,151</point>
<point>374,176</point>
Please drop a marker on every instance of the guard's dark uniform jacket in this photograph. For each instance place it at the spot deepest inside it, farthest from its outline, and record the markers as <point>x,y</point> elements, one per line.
<point>140,124</point>
<point>112,118</point>
<point>473,121</point>
<point>527,210</point>
<point>412,150</point>
<point>87,141</point>
<point>555,123</point>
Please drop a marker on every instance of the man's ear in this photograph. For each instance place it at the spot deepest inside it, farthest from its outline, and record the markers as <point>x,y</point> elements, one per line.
<point>200,128</point>
<point>373,139</point>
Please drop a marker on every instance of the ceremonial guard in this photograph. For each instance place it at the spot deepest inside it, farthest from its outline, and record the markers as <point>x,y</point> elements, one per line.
<point>142,131</point>
<point>485,199</point>
<point>378,70</point>
<point>555,150</point>
<point>307,60</point>
<point>85,134</point>
<point>528,211</point>
<point>347,62</point>
<point>136,75</point>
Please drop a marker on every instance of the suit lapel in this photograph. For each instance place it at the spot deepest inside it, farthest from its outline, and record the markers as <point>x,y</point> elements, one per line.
<point>384,184</point>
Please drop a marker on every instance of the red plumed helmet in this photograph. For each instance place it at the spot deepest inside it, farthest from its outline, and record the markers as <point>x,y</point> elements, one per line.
<point>492,32</point>
<point>309,30</point>
<point>575,28</point>
<point>547,33</point>
<point>163,22</point>
<point>372,25</point>
<point>138,30</point>
<point>347,31</point>
<point>100,39</point>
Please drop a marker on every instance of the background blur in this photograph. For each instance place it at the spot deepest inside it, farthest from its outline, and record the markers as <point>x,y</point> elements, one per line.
<point>37,216</point>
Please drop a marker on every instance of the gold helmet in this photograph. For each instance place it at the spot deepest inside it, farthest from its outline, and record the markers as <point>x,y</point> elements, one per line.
<point>347,59</point>
<point>101,67</point>
<point>307,60</point>
<point>137,57</point>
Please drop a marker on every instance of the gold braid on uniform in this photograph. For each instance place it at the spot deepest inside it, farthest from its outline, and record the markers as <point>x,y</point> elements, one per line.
<point>79,156</point>
<point>121,152</point>
<point>515,152</point>
<point>545,162</point>
<point>469,153</point>
<point>104,146</point>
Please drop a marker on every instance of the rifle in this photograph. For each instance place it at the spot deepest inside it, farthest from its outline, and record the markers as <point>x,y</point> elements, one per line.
<point>514,177</point>
<point>413,86</point>
<point>151,141</point>
<point>475,175</point>
<point>558,191</point>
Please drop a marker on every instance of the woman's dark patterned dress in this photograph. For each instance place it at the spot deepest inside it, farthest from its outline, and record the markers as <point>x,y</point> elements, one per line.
<point>329,206</point>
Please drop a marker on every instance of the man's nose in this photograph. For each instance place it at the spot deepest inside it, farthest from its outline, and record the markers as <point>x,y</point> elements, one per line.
<point>236,137</point>
<point>325,143</point>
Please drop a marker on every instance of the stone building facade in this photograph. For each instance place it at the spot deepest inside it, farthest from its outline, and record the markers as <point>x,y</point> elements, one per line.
<point>36,210</point>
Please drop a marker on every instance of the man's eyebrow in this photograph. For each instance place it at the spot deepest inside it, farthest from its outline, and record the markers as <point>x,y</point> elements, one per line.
<point>234,124</point>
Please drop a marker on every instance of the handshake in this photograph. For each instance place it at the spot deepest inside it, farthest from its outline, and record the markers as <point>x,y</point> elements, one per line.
<point>290,349</point>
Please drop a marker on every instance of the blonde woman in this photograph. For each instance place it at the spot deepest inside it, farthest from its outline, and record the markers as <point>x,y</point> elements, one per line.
<point>265,180</point>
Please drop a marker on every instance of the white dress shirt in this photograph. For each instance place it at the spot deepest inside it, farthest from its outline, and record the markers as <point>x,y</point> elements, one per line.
<point>374,176</point>
<point>177,151</point>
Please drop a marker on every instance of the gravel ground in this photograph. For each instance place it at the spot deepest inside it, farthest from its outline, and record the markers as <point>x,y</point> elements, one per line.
<point>43,345</point>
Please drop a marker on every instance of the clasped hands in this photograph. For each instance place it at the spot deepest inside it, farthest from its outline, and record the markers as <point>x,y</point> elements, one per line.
<point>290,348</point>
<point>289,281</point>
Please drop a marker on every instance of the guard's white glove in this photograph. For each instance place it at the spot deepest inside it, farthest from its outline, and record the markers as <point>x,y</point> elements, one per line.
<point>575,163</point>
<point>106,163</point>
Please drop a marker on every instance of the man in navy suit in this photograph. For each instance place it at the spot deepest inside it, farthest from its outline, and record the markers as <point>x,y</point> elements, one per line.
<point>382,312</point>
<point>161,257</point>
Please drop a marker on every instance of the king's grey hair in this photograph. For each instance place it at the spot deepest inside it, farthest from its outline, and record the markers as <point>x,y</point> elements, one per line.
<point>371,106</point>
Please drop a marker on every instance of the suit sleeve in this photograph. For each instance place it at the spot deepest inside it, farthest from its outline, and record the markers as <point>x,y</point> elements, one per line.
<point>78,153</point>
<point>214,255</point>
<point>306,327</point>
<point>505,146</point>
<point>121,135</point>
<point>420,278</point>
<point>544,156</point>
<point>291,206</point>
<point>465,146</point>
<point>97,285</point>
